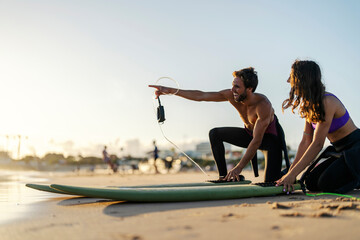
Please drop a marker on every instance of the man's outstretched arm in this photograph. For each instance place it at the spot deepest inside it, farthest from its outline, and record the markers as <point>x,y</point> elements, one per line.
<point>194,95</point>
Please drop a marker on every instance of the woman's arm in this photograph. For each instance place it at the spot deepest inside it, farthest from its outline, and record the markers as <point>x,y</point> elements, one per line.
<point>304,144</point>
<point>320,134</point>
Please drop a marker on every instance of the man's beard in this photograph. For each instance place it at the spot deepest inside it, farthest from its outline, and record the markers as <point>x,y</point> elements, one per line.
<point>241,97</point>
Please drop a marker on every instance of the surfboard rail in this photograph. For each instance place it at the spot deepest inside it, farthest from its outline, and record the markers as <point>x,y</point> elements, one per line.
<point>174,194</point>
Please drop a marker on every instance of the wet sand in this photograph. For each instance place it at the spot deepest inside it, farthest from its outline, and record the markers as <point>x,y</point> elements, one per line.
<point>296,216</point>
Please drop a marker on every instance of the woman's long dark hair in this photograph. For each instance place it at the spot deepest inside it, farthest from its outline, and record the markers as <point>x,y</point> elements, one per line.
<point>306,91</point>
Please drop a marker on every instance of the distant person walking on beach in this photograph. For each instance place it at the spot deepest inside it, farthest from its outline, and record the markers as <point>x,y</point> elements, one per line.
<point>107,160</point>
<point>337,169</point>
<point>155,155</point>
<point>261,131</point>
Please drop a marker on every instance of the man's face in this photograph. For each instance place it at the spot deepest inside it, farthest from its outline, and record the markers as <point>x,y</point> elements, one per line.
<point>239,90</point>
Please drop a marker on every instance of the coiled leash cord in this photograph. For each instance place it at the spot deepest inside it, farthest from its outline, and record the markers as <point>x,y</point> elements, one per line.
<point>160,113</point>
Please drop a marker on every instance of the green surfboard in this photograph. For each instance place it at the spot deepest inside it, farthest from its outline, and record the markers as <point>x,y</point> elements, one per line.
<point>197,184</point>
<point>47,188</point>
<point>174,194</point>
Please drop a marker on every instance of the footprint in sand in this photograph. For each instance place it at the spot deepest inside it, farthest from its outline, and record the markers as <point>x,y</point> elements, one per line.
<point>292,214</point>
<point>231,216</point>
<point>276,205</point>
<point>325,209</point>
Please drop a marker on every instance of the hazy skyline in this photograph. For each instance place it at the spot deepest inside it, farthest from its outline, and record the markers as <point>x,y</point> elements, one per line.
<point>74,74</point>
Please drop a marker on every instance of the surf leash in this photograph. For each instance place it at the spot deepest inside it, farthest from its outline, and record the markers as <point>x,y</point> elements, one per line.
<point>161,119</point>
<point>332,194</point>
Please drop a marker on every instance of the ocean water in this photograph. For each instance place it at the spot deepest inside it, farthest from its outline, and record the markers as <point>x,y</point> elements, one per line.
<point>15,197</point>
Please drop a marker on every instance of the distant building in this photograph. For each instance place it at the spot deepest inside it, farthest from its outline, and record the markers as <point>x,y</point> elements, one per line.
<point>203,148</point>
<point>204,151</point>
<point>4,158</point>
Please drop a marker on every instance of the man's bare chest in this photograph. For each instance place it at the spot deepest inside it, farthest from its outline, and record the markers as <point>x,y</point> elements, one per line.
<point>248,115</point>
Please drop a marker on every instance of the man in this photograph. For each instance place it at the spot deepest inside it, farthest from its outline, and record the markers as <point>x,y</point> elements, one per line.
<point>156,156</point>
<point>261,128</point>
<point>106,157</point>
<point>107,160</point>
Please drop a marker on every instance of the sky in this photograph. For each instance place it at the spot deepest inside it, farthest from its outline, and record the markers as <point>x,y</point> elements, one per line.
<point>75,74</point>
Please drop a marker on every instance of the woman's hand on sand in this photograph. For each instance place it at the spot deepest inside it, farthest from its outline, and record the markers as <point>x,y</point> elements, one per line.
<point>233,174</point>
<point>161,90</point>
<point>287,181</point>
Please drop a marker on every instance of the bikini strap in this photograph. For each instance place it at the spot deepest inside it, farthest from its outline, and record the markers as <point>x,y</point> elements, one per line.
<point>330,94</point>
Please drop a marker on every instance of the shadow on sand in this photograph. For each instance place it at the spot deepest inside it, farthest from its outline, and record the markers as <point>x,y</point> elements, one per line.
<point>128,209</point>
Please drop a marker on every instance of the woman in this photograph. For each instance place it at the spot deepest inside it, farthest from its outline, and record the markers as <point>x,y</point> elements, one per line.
<point>337,169</point>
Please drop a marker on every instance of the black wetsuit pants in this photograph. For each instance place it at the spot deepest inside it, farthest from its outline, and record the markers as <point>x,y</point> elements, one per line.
<point>340,172</point>
<point>270,147</point>
<point>330,176</point>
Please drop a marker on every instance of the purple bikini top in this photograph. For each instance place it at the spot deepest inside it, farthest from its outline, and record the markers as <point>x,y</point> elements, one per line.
<point>336,122</point>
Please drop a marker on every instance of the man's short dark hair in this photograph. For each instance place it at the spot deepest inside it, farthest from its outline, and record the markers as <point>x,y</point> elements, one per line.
<point>249,77</point>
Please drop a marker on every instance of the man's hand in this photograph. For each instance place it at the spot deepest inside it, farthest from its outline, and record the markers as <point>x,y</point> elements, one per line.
<point>233,174</point>
<point>161,90</point>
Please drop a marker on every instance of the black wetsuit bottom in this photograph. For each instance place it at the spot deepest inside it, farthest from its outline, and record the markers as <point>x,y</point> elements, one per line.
<point>340,172</point>
<point>270,147</point>
<point>329,176</point>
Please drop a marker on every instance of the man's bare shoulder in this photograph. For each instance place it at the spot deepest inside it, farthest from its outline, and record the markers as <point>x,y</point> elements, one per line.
<point>263,104</point>
<point>227,93</point>
<point>262,99</point>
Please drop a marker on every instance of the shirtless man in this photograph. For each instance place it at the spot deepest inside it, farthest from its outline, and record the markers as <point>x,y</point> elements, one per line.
<point>261,128</point>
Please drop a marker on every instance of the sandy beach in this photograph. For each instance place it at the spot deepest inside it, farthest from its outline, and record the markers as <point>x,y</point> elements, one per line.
<point>296,216</point>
